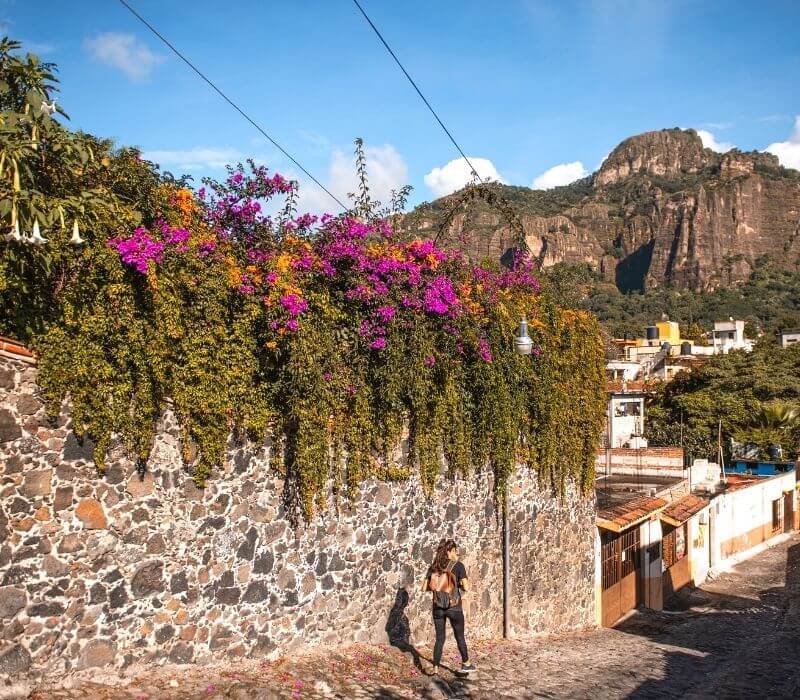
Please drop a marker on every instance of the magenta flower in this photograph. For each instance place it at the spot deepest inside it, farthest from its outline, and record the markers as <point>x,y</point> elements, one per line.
<point>379,343</point>
<point>294,304</point>
<point>385,313</point>
<point>139,250</point>
<point>484,352</point>
<point>429,361</point>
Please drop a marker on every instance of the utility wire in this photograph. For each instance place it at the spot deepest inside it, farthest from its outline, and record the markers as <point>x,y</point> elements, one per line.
<point>229,101</point>
<point>419,92</point>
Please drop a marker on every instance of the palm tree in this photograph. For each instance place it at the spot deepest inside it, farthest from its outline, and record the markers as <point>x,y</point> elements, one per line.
<point>778,416</point>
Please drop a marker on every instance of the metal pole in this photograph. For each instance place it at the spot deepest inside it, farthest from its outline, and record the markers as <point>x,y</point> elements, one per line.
<point>506,566</point>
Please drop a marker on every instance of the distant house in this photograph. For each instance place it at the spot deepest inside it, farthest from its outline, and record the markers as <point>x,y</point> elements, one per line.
<point>789,338</point>
<point>729,335</point>
<point>663,525</point>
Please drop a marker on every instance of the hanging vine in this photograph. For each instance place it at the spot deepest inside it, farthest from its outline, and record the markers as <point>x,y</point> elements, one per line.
<point>333,336</point>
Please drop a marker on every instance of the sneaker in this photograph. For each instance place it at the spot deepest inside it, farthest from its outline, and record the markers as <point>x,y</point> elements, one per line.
<point>468,668</point>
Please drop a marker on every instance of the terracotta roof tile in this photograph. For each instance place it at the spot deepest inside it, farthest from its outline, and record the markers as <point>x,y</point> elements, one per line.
<point>678,512</point>
<point>624,515</point>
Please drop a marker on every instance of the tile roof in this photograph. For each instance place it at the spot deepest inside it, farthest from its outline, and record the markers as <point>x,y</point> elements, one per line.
<point>624,515</point>
<point>678,512</point>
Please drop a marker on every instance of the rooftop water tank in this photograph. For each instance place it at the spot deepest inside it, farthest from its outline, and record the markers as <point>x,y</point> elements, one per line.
<point>686,348</point>
<point>652,332</point>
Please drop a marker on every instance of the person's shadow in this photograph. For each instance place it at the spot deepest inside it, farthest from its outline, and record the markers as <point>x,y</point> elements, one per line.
<point>398,628</point>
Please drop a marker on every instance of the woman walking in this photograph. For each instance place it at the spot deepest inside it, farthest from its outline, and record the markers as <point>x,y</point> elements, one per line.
<point>447,580</point>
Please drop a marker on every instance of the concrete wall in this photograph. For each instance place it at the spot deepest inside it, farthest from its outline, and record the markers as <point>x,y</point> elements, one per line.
<point>700,545</point>
<point>742,518</point>
<point>647,461</point>
<point>108,570</point>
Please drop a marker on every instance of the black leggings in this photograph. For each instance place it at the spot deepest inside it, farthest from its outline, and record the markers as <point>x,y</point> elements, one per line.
<point>456,617</point>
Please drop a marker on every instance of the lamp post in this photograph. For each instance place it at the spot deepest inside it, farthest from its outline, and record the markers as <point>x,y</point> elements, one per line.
<point>523,345</point>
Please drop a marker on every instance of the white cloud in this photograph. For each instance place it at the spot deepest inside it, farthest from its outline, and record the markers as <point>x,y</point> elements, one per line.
<point>124,51</point>
<point>717,125</point>
<point>710,141</point>
<point>386,171</point>
<point>560,175</point>
<point>457,173</point>
<point>195,158</point>
<point>788,151</point>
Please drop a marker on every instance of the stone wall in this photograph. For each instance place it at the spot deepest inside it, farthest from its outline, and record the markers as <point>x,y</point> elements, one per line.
<point>114,569</point>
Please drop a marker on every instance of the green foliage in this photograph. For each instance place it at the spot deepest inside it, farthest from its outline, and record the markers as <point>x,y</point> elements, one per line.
<point>753,394</point>
<point>120,345</point>
<point>769,301</point>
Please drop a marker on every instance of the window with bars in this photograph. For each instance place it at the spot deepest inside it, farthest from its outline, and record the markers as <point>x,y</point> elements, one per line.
<point>620,556</point>
<point>674,546</point>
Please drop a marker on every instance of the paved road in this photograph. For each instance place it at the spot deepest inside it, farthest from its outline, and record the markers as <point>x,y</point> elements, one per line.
<point>736,637</point>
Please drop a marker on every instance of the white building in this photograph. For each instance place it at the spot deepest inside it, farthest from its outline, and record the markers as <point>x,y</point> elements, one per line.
<point>729,335</point>
<point>625,417</point>
<point>789,338</point>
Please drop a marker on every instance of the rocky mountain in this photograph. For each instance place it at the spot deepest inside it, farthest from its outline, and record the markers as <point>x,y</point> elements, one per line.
<point>661,210</point>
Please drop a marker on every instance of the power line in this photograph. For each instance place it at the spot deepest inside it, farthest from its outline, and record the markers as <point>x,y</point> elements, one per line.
<point>419,92</point>
<point>229,101</point>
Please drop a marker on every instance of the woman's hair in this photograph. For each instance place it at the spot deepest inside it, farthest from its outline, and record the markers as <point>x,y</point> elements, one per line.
<point>440,559</point>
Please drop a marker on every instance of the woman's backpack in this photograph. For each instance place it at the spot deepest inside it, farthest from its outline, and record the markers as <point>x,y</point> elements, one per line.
<point>444,587</point>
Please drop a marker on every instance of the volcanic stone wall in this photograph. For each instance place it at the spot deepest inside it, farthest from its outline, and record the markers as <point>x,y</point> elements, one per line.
<point>98,570</point>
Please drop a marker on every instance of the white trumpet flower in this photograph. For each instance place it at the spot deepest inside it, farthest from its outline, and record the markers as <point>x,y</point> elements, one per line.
<point>14,235</point>
<point>37,238</point>
<point>48,108</point>
<point>76,236</point>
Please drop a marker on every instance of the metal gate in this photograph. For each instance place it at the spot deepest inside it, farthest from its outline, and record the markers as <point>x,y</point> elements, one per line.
<point>622,571</point>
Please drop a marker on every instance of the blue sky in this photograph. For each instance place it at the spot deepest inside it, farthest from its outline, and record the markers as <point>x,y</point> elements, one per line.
<point>526,85</point>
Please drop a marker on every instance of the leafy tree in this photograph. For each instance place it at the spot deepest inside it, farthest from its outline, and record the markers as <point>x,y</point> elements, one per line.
<point>754,395</point>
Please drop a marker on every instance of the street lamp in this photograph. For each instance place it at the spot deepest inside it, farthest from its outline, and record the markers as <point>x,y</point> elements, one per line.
<point>522,342</point>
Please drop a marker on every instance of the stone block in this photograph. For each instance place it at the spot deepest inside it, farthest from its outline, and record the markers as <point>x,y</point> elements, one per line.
<point>12,600</point>
<point>70,544</point>
<point>50,609</point>
<point>264,563</point>
<point>37,483</point>
<point>54,567</point>
<point>75,450</point>
<point>91,514</point>
<point>181,654</point>
<point>63,499</point>
<point>257,592</point>
<point>139,487</point>
<point>178,583</point>
<point>14,661</point>
<point>148,579</point>
<point>9,428</point>
<point>28,405</point>
<point>97,653</point>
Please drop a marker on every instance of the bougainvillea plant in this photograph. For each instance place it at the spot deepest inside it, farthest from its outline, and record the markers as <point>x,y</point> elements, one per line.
<point>333,336</point>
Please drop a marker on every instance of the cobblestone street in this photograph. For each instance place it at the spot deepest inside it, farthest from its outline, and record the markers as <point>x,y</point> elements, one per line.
<point>737,637</point>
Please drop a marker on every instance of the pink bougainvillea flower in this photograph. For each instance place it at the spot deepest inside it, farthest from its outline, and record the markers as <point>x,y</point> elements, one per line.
<point>379,343</point>
<point>484,352</point>
<point>139,250</point>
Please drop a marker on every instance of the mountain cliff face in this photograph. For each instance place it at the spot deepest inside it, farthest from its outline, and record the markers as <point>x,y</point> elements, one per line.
<point>661,210</point>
